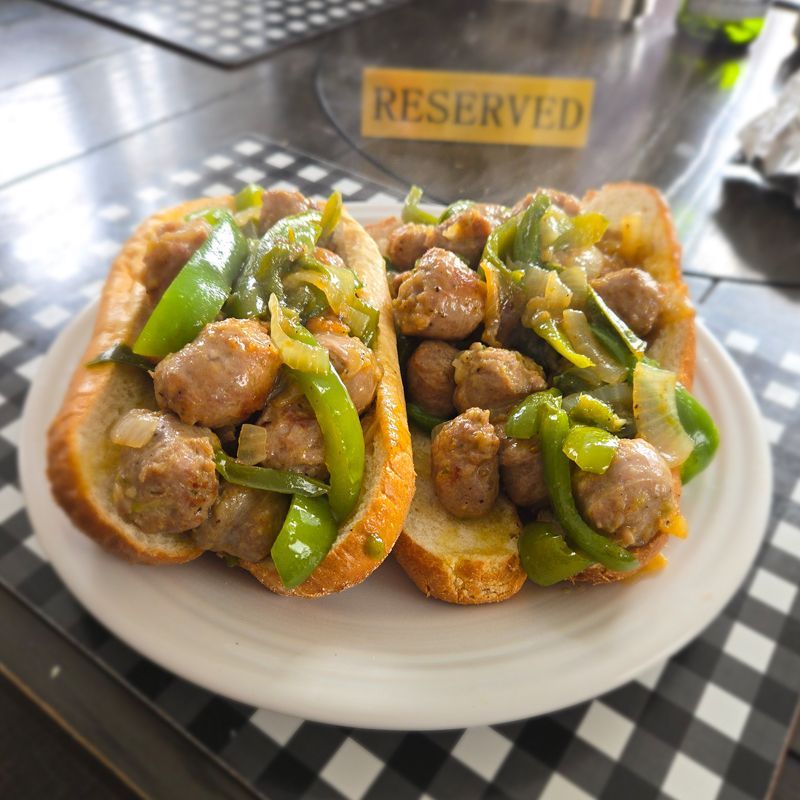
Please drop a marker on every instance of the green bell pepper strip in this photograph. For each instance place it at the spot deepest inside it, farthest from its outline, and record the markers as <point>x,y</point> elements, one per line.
<point>592,449</point>
<point>527,242</point>
<point>412,212</point>
<point>575,380</point>
<point>121,354</point>
<point>603,317</point>
<point>307,534</point>
<point>308,301</point>
<point>584,231</point>
<point>266,479</point>
<point>249,197</point>
<point>543,325</point>
<point>499,244</point>
<point>262,275</point>
<point>423,419</point>
<point>585,408</point>
<point>455,208</point>
<point>698,424</point>
<point>197,294</point>
<point>523,421</point>
<point>331,215</point>
<point>546,557</point>
<point>554,426</point>
<point>369,332</point>
<point>341,430</point>
<point>211,215</point>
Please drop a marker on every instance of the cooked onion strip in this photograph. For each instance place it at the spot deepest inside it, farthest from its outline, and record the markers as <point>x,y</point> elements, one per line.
<point>252,444</point>
<point>296,355</point>
<point>135,429</point>
<point>576,327</point>
<point>656,413</point>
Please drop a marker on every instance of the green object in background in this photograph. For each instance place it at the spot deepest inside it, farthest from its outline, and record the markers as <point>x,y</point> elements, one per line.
<point>731,22</point>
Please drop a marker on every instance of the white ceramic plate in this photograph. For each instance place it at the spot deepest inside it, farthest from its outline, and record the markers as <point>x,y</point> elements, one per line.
<point>381,655</point>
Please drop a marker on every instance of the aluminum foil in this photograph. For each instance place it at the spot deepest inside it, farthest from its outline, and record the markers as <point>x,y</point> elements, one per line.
<point>771,142</point>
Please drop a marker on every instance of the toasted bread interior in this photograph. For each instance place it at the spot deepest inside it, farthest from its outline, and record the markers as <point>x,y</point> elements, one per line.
<point>460,561</point>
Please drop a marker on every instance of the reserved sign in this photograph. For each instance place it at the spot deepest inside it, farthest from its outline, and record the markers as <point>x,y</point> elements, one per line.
<point>475,107</point>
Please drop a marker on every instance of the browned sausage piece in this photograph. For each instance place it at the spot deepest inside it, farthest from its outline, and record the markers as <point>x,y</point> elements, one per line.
<point>522,471</point>
<point>566,202</point>
<point>464,233</point>
<point>169,485</point>
<point>629,500</point>
<point>442,298</point>
<point>395,279</point>
<point>244,522</point>
<point>407,243</point>
<point>279,203</point>
<point>430,380</point>
<point>494,378</point>
<point>356,364</point>
<point>632,294</point>
<point>172,247</point>
<point>294,438</point>
<point>327,322</point>
<point>221,377</point>
<point>464,464</point>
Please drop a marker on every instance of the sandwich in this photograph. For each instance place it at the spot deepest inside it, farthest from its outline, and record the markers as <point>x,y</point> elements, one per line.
<point>241,395</point>
<point>550,352</point>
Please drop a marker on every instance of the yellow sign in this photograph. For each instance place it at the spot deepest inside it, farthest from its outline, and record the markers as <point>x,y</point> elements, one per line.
<point>475,107</point>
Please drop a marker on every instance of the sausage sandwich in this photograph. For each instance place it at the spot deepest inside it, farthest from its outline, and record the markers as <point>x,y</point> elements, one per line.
<point>241,395</point>
<point>552,349</point>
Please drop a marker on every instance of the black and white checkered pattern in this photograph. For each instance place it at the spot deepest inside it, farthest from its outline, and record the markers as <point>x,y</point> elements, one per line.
<point>708,723</point>
<point>229,32</point>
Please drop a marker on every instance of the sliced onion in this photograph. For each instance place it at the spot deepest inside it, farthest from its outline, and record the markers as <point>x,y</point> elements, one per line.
<point>336,283</point>
<point>590,259</point>
<point>356,320</point>
<point>555,296</point>
<point>252,444</point>
<point>656,413</point>
<point>574,278</point>
<point>135,429</point>
<point>576,327</point>
<point>619,396</point>
<point>296,355</point>
<point>553,224</point>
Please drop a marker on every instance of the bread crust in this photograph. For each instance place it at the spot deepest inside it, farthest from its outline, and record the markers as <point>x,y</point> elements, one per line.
<point>672,343</point>
<point>80,458</point>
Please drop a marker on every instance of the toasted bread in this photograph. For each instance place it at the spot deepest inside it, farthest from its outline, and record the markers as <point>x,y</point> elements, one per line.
<point>460,561</point>
<point>82,461</point>
<point>476,561</point>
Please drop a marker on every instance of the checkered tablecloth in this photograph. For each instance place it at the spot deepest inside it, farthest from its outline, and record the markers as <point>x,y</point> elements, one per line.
<point>229,32</point>
<point>710,722</point>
